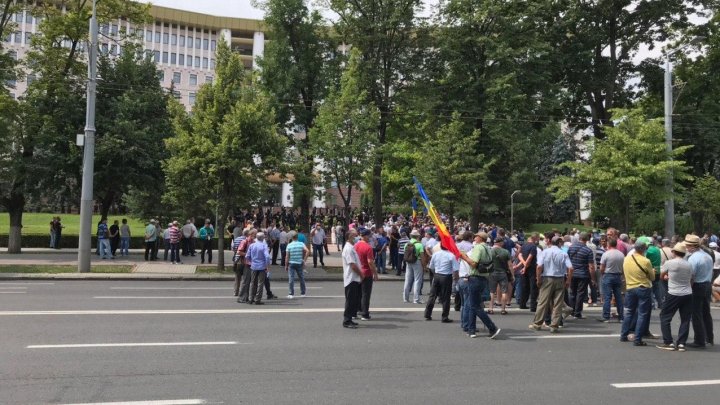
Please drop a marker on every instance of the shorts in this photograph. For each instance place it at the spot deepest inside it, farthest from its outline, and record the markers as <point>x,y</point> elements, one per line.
<point>498,278</point>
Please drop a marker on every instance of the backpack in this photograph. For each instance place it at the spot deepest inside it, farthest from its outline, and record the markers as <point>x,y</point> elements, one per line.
<point>410,255</point>
<point>486,266</point>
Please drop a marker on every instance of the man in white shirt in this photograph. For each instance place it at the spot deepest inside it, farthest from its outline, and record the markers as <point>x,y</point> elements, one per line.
<point>352,276</point>
<point>187,234</point>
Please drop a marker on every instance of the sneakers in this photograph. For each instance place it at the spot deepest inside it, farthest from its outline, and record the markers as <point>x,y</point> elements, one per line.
<point>532,326</point>
<point>290,296</point>
<point>405,300</point>
<point>418,302</point>
<point>350,325</point>
<point>365,318</point>
<point>603,320</point>
<point>303,295</point>
<point>667,346</point>
<point>492,336</point>
<point>554,329</point>
<point>681,347</point>
<point>472,335</point>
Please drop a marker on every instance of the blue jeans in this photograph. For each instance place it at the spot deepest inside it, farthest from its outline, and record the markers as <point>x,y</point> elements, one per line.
<point>518,288</point>
<point>612,286</point>
<point>104,248</point>
<point>380,261</point>
<point>296,268</point>
<point>658,292</point>
<point>638,303</point>
<point>472,304</point>
<point>317,249</point>
<point>413,278</point>
<point>124,245</point>
<point>283,247</point>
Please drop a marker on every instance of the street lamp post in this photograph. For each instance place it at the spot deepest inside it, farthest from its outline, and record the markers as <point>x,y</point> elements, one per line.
<point>669,182</point>
<point>512,210</point>
<point>86,199</point>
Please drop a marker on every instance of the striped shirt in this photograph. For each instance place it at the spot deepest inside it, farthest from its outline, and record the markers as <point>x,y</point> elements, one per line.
<point>401,244</point>
<point>174,235</point>
<point>295,251</point>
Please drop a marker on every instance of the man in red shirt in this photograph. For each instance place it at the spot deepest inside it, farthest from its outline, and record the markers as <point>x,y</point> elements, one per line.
<point>369,272</point>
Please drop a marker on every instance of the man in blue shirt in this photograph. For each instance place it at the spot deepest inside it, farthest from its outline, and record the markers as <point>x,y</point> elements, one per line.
<point>258,255</point>
<point>104,240</point>
<point>445,266</point>
<point>583,264</point>
<point>295,256</point>
<point>702,267</point>
<point>552,268</point>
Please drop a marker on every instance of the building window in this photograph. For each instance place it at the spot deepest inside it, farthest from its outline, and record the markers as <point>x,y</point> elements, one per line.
<point>197,61</point>
<point>197,43</point>
<point>12,54</point>
<point>191,99</point>
<point>161,76</point>
<point>165,57</point>
<point>173,58</point>
<point>212,64</point>
<point>166,38</point>
<point>157,37</point>
<point>28,17</point>
<point>177,77</point>
<point>193,80</point>
<point>205,63</point>
<point>181,59</point>
<point>173,39</point>
<point>206,44</point>
<point>28,37</point>
<point>148,36</point>
<point>213,45</point>
<point>104,29</point>
<point>18,37</point>
<point>114,50</point>
<point>182,40</point>
<point>8,38</point>
<point>208,79</point>
<point>189,60</point>
<point>104,49</point>
<point>19,17</point>
<point>176,94</point>
<point>156,56</point>
<point>114,30</point>
<point>11,83</point>
<point>190,42</point>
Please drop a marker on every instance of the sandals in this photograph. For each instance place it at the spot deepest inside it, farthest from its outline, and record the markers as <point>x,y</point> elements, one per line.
<point>490,311</point>
<point>503,312</point>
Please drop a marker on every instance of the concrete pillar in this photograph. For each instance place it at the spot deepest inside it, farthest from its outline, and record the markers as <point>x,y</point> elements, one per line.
<point>258,47</point>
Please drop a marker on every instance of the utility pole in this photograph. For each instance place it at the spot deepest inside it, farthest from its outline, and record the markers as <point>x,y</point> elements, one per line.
<point>86,199</point>
<point>670,199</point>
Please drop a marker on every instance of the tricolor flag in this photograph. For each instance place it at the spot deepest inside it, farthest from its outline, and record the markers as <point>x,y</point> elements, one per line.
<point>413,202</point>
<point>445,237</point>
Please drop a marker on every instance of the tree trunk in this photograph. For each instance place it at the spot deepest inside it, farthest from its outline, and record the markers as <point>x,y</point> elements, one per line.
<point>220,232</point>
<point>15,207</point>
<point>106,203</point>
<point>698,219</point>
<point>377,174</point>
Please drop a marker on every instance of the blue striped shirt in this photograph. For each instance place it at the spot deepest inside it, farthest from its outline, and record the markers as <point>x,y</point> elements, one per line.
<point>295,250</point>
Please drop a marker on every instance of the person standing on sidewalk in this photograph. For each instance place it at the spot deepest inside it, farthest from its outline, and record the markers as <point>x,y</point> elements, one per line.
<point>445,266</point>
<point>295,258</point>
<point>53,233</point>
<point>103,241</point>
<point>678,274</point>
<point>124,238</point>
<point>114,237</point>
<point>367,265</point>
<point>317,236</point>
<point>166,240</point>
<point>352,277</point>
<point>187,236</point>
<point>206,235</point>
<point>150,240</point>
<point>175,234</point>
<point>258,255</point>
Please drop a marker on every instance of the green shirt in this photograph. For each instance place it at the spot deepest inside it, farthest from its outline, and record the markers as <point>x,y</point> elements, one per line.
<point>418,247</point>
<point>500,260</point>
<point>655,256</point>
<point>480,253</point>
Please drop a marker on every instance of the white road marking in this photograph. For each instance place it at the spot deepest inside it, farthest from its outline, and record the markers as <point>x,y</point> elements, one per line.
<point>198,297</point>
<point>161,402</point>
<point>562,336</point>
<point>13,292</point>
<point>186,288</point>
<point>209,311</point>
<point>13,288</point>
<point>71,346</point>
<point>27,283</point>
<point>667,384</point>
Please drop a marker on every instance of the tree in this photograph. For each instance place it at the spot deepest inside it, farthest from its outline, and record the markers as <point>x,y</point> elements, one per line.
<point>132,121</point>
<point>223,152</point>
<point>40,146</point>
<point>344,134</point>
<point>629,166</point>
<point>450,173</point>
<point>702,201</point>
<point>386,34</point>
<point>298,66</point>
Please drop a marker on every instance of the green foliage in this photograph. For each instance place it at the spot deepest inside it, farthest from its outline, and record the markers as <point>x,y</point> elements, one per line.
<point>344,134</point>
<point>702,201</point>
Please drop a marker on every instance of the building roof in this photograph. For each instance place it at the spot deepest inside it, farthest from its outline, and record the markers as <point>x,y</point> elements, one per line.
<point>205,20</point>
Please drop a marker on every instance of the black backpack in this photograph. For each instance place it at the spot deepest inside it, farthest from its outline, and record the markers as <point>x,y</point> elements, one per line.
<point>410,255</point>
<point>487,267</point>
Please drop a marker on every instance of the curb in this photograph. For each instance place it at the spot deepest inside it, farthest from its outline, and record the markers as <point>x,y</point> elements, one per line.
<point>152,277</point>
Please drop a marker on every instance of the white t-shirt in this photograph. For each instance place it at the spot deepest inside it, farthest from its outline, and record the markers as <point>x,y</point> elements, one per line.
<point>349,256</point>
<point>716,264</point>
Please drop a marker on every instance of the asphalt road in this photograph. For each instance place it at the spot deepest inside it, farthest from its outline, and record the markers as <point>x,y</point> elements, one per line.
<point>200,346</point>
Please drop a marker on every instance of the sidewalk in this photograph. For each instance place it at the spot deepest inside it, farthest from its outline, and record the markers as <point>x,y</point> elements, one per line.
<point>157,270</point>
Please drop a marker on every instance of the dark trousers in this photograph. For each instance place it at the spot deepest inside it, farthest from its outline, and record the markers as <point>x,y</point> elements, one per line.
<point>238,269</point>
<point>393,259</point>
<point>155,249</point>
<point>257,280</point>
<point>206,247</point>
<point>149,246</point>
<point>245,285</point>
<point>317,249</point>
<point>166,245</point>
<point>185,246</point>
<point>282,254</point>
<point>275,249</point>
<point>441,287</point>
<point>175,252</point>
<point>671,305</point>
<point>266,283</point>
<point>578,294</point>
<point>530,289</point>
<point>701,319</point>
<point>114,243</point>
<point>366,291</point>
<point>352,300</point>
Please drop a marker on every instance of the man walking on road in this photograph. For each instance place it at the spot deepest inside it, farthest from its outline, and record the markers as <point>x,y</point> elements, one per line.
<point>367,265</point>
<point>259,256</point>
<point>445,266</point>
<point>352,277</point>
<point>295,258</point>
<point>702,267</point>
<point>150,240</point>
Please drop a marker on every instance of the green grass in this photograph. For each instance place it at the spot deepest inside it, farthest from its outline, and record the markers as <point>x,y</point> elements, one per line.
<point>39,224</point>
<point>543,228</point>
<point>56,269</point>
<point>213,270</point>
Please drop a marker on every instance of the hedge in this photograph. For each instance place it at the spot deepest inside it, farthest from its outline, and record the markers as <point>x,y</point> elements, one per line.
<point>71,242</point>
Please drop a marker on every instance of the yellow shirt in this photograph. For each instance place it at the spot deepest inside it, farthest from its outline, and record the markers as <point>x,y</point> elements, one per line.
<point>635,276</point>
